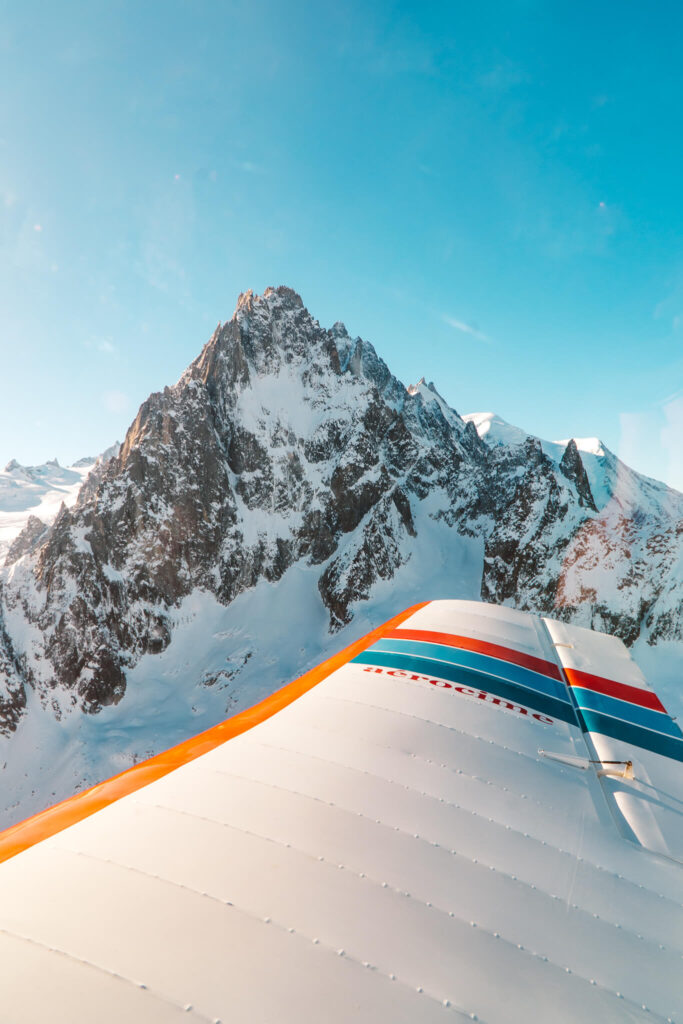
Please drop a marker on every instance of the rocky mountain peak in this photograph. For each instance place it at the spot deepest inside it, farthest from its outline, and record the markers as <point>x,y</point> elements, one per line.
<point>427,390</point>
<point>573,468</point>
<point>283,296</point>
<point>26,540</point>
<point>338,330</point>
<point>245,301</point>
<point>265,334</point>
<point>272,297</point>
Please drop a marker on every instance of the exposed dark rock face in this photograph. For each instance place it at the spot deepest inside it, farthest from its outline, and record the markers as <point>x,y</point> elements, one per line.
<point>13,677</point>
<point>284,442</point>
<point>27,540</point>
<point>530,504</point>
<point>574,470</point>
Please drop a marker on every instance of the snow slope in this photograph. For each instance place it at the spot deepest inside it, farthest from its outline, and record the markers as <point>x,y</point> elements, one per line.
<point>221,659</point>
<point>36,491</point>
<point>40,491</point>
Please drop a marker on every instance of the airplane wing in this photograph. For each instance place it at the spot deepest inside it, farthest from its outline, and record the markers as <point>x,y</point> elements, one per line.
<point>471,814</point>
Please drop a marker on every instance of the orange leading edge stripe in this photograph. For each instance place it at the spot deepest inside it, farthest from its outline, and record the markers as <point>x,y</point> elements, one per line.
<point>47,823</point>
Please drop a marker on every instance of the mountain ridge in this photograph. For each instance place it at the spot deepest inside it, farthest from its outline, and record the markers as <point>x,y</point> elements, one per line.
<point>288,457</point>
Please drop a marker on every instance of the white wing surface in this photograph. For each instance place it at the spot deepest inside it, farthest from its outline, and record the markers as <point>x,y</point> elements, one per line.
<point>389,846</point>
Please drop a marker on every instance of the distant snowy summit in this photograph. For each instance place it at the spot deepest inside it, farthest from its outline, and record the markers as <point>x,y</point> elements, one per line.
<point>494,430</point>
<point>38,492</point>
<point>610,478</point>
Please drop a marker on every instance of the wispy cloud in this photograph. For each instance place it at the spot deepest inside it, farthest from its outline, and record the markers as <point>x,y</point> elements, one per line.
<point>472,329</point>
<point>104,345</point>
<point>671,306</point>
<point>116,401</point>
<point>670,436</point>
<point>248,167</point>
<point>503,77</point>
<point>650,440</point>
<point>24,240</point>
<point>166,237</point>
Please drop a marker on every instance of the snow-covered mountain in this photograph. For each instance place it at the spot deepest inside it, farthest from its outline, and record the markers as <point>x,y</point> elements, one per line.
<point>33,495</point>
<point>284,495</point>
<point>622,570</point>
<point>36,493</point>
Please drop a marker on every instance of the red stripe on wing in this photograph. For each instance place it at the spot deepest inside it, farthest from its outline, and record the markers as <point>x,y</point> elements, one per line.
<point>468,643</point>
<point>622,691</point>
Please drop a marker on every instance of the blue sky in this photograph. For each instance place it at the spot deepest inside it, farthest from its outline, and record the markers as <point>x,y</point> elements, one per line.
<point>490,193</point>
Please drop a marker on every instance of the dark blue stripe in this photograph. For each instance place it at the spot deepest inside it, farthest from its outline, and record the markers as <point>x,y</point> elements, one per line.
<point>667,746</point>
<point>478,662</point>
<point>589,700</point>
<point>516,694</point>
